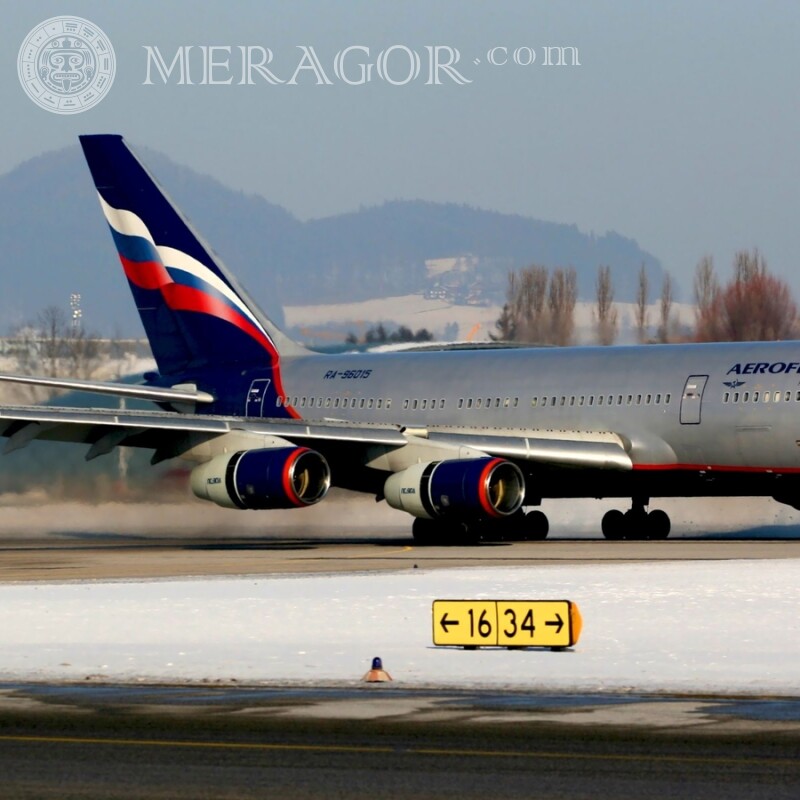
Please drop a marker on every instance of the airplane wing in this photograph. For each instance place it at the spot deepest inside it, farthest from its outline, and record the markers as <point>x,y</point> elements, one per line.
<point>170,434</point>
<point>157,394</point>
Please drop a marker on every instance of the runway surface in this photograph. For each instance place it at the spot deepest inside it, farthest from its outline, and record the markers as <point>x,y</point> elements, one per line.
<point>95,743</point>
<point>101,556</point>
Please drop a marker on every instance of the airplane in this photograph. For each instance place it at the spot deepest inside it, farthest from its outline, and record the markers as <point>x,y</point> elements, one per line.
<point>470,443</point>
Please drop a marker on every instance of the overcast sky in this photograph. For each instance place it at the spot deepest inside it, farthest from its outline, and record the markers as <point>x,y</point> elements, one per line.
<point>678,129</point>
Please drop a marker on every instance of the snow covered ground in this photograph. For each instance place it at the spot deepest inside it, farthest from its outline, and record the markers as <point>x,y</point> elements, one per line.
<point>722,627</point>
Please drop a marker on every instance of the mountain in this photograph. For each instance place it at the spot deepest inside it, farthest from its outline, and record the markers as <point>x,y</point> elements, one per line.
<point>54,243</point>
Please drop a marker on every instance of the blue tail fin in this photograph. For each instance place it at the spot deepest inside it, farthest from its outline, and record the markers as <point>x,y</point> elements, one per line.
<point>193,311</point>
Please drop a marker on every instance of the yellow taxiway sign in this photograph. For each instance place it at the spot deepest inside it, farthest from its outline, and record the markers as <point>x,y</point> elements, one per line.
<point>506,623</point>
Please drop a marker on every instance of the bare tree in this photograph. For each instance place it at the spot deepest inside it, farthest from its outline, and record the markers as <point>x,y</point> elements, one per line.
<point>506,326</point>
<point>531,309</point>
<point>561,303</point>
<point>753,306</point>
<point>52,325</point>
<point>642,290</point>
<point>605,314</point>
<point>525,314</point>
<point>665,310</point>
<point>706,290</point>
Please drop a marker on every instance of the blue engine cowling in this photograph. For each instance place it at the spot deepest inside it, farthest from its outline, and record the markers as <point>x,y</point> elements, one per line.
<point>476,487</point>
<point>281,477</point>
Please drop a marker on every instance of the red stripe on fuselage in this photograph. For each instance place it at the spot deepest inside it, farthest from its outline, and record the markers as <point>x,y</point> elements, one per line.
<point>713,468</point>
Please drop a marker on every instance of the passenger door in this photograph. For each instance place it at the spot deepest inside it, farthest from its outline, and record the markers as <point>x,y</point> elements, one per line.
<point>255,397</point>
<point>692,400</point>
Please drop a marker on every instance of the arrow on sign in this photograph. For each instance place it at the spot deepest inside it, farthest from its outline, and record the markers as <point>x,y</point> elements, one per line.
<point>558,624</point>
<point>446,623</point>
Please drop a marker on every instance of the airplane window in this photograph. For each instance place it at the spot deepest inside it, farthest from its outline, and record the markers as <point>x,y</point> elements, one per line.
<point>544,400</point>
<point>388,403</point>
<point>516,402</point>
<point>572,399</point>
<point>726,397</point>
<point>278,401</point>
<point>405,404</point>
<point>755,397</point>
<point>441,403</point>
<point>461,402</point>
<point>736,397</point>
<point>766,397</point>
<point>581,400</point>
<point>638,399</point>
<point>534,402</point>
<point>563,400</point>
<point>371,403</point>
<point>302,402</point>
<point>553,400</point>
<point>469,402</point>
<point>746,397</point>
<point>362,402</point>
<point>505,402</point>
<point>478,403</point>
<point>488,402</point>
<point>415,404</point>
<point>630,399</point>
<point>327,402</point>
<point>591,399</point>
<point>336,403</point>
<point>648,399</point>
<point>797,396</point>
<point>658,399</point>
<point>667,398</point>
<point>424,404</point>
<point>600,400</point>
<point>497,402</point>
<point>619,400</point>
<point>380,403</point>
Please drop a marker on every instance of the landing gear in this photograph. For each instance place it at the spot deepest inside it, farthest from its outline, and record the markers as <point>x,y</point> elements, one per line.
<point>537,526</point>
<point>444,532</point>
<point>519,527</point>
<point>636,523</point>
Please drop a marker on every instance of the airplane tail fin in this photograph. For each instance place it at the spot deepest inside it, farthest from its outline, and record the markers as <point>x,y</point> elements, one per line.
<point>194,312</point>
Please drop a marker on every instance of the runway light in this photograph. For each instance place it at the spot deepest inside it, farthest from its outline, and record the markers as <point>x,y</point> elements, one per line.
<point>377,674</point>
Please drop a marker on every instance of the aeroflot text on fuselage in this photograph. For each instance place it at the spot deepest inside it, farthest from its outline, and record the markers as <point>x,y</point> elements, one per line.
<point>765,367</point>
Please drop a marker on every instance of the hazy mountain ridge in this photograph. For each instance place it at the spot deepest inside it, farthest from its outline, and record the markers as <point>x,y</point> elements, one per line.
<point>49,216</point>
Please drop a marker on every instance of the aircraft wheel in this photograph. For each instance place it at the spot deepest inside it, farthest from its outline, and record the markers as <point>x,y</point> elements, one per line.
<point>658,524</point>
<point>636,526</point>
<point>613,525</point>
<point>537,526</point>
<point>425,532</point>
<point>507,529</point>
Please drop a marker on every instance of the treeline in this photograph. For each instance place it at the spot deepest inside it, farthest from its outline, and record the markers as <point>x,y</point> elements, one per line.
<point>380,335</point>
<point>753,305</point>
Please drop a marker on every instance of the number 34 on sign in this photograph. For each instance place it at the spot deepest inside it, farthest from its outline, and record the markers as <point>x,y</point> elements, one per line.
<point>506,623</point>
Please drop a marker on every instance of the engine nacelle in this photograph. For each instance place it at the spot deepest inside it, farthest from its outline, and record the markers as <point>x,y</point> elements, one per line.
<point>484,487</point>
<point>281,477</point>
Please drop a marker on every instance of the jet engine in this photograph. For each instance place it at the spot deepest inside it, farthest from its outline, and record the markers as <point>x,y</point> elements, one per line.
<point>281,477</point>
<point>482,487</point>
